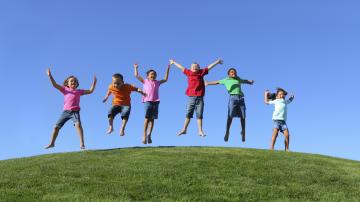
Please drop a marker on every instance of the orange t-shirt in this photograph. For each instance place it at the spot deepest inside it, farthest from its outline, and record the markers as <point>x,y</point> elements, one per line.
<point>121,96</point>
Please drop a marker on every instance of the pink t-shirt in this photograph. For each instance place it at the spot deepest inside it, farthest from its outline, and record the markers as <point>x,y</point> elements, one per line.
<point>71,98</point>
<point>196,86</point>
<point>151,88</point>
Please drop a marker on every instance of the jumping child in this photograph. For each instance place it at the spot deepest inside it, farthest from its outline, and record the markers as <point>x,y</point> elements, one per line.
<point>71,106</point>
<point>121,101</point>
<point>236,106</point>
<point>195,91</point>
<point>279,116</point>
<point>151,100</point>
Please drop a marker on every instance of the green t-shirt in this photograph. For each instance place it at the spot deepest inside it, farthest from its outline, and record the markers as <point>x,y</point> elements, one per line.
<point>232,85</point>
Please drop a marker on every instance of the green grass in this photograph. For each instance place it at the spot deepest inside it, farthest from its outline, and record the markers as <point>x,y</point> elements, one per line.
<point>180,174</point>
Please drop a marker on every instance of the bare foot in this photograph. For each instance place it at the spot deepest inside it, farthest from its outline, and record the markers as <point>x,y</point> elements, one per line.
<point>122,132</point>
<point>110,130</point>
<point>202,134</point>
<point>50,146</point>
<point>144,140</point>
<point>243,136</point>
<point>82,147</point>
<point>149,139</point>
<point>226,138</point>
<point>182,132</point>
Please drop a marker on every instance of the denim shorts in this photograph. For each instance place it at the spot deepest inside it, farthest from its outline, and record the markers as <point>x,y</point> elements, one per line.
<point>236,107</point>
<point>67,115</point>
<point>151,110</point>
<point>123,109</point>
<point>281,125</point>
<point>195,103</point>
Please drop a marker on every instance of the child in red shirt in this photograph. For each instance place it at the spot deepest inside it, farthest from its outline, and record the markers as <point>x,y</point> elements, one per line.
<point>195,91</point>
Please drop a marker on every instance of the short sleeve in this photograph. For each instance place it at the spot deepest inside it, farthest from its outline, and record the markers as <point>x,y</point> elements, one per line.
<point>132,87</point>
<point>63,89</point>
<point>272,102</point>
<point>186,72</point>
<point>222,81</point>
<point>205,71</point>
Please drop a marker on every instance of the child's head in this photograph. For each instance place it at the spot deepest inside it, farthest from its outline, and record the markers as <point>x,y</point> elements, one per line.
<point>280,93</point>
<point>71,82</point>
<point>117,80</point>
<point>232,73</point>
<point>151,74</point>
<point>195,67</point>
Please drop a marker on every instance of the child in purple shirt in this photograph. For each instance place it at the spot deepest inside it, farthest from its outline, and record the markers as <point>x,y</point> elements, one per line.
<point>151,99</point>
<point>71,106</point>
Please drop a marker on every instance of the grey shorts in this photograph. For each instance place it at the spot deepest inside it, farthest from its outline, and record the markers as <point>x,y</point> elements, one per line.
<point>151,110</point>
<point>67,115</point>
<point>280,125</point>
<point>236,107</point>
<point>123,109</point>
<point>195,103</point>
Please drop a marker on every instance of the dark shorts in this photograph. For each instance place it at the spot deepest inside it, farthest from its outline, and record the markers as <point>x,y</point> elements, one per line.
<point>124,110</point>
<point>151,110</point>
<point>195,103</point>
<point>67,115</point>
<point>280,125</point>
<point>236,107</point>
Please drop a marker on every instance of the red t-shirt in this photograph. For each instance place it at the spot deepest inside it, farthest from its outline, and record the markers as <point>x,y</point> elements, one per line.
<point>196,85</point>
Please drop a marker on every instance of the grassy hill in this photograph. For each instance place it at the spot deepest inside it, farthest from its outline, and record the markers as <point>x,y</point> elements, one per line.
<point>180,174</point>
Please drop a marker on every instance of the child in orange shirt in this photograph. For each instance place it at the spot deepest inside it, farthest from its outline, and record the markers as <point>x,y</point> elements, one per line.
<point>121,101</point>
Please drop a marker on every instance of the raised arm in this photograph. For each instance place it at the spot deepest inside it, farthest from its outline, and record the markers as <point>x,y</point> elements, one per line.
<point>136,73</point>
<point>212,65</point>
<point>166,74</point>
<point>92,88</point>
<point>266,99</point>
<point>211,83</point>
<point>182,68</point>
<point>53,82</point>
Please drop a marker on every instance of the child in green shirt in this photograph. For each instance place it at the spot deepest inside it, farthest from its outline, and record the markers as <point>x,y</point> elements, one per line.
<point>236,106</point>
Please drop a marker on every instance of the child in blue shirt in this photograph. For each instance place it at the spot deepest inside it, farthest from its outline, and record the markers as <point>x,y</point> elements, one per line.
<point>279,115</point>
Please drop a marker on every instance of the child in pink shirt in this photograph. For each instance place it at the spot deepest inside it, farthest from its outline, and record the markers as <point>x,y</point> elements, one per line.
<point>71,106</point>
<point>196,92</point>
<point>151,99</point>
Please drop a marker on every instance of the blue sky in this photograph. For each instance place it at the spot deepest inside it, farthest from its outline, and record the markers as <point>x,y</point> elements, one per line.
<point>310,48</point>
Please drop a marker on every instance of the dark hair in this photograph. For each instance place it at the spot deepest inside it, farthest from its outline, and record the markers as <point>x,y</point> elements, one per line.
<point>65,83</point>
<point>272,96</point>
<point>149,71</point>
<point>118,76</point>
<point>228,72</point>
<point>280,90</point>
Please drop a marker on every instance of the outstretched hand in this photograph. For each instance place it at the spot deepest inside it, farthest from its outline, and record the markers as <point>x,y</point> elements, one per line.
<point>251,82</point>
<point>171,61</point>
<point>136,65</point>
<point>219,61</point>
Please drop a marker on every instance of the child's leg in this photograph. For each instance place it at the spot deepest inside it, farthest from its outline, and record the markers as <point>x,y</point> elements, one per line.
<point>274,136</point>
<point>151,126</point>
<point>242,120</point>
<point>146,123</point>
<point>123,125</point>
<point>111,128</point>
<point>80,132</point>
<point>53,137</point>
<point>201,132</point>
<point>228,124</point>
<point>184,129</point>
<point>287,139</point>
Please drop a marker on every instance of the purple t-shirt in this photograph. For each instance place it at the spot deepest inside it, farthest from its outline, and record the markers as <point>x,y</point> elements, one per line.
<point>71,98</point>
<point>151,88</point>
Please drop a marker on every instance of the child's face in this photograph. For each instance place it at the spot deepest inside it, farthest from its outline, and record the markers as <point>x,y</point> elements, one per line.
<point>72,83</point>
<point>117,83</point>
<point>151,75</point>
<point>194,67</point>
<point>280,95</point>
<point>232,73</point>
